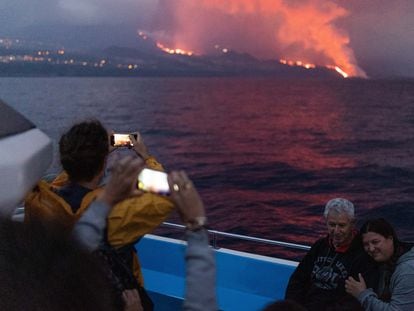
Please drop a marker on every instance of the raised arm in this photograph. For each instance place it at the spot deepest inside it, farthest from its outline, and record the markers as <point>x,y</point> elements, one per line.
<point>200,263</point>
<point>90,227</point>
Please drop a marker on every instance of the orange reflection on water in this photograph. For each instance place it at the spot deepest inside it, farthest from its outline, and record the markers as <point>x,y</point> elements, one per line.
<point>263,154</point>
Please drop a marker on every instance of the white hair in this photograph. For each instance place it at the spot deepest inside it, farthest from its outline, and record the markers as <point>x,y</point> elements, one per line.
<point>341,206</point>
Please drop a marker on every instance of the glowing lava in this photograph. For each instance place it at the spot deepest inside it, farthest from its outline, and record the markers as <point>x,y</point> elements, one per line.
<point>162,47</point>
<point>174,51</point>
<point>339,70</point>
<point>299,63</point>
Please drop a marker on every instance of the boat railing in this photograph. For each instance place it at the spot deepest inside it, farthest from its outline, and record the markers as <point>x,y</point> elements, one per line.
<point>216,234</point>
<point>19,214</point>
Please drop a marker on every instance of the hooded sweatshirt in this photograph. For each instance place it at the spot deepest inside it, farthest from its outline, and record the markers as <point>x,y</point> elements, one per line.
<point>401,288</point>
<point>318,281</point>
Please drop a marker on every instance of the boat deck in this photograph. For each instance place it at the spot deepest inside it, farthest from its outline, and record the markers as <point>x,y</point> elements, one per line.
<point>244,281</point>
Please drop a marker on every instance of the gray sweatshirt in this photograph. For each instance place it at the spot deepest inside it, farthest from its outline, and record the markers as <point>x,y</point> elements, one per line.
<point>401,287</point>
<point>89,229</point>
<point>201,273</point>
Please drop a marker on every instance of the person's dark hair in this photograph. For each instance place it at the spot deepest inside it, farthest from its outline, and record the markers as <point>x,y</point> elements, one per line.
<point>284,305</point>
<point>382,227</point>
<point>83,150</point>
<point>40,269</point>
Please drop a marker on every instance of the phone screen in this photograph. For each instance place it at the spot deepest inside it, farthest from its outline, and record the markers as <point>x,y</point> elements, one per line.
<point>153,181</point>
<point>121,140</point>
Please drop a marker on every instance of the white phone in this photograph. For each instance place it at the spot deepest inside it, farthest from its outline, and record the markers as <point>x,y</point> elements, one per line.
<point>153,181</point>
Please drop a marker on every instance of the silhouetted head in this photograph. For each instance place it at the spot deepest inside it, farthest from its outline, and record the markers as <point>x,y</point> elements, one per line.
<point>40,269</point>
<point>83,150</point>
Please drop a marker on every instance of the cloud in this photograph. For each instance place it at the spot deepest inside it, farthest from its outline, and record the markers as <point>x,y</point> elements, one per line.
<point>106,11</point>
<point>22,13</point>
<point>81,11</point>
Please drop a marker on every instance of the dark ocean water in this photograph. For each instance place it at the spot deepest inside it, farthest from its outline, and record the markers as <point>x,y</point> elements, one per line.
<point>266,154</point>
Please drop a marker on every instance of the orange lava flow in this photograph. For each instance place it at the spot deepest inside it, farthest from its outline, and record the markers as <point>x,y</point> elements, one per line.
<point>174,51</point>
<point>299,63</point>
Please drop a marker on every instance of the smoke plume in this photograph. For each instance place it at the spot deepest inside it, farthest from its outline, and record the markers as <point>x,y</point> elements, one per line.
<point>298,30</point>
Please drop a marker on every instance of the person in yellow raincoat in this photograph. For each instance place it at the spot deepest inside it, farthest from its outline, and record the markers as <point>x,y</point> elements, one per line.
<point>84,150</point>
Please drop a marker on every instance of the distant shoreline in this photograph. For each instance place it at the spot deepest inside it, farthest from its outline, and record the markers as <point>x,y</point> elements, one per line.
<point>50,70</point>
<point>191,75</point>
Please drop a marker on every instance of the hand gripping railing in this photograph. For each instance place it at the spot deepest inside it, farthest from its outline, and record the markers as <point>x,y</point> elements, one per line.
<point>215,234</point>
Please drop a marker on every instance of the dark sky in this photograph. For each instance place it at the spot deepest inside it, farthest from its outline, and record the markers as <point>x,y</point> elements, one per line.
<point>372,36</point>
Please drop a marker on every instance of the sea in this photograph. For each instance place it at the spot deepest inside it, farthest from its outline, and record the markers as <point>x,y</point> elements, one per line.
<point>266,154</point>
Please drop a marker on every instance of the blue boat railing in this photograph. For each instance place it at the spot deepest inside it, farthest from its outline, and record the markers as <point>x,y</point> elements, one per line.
<point>215,234</point>
<point>19,214</point>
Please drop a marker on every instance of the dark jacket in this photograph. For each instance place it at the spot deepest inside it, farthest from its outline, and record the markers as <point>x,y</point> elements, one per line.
<point>318,281</point>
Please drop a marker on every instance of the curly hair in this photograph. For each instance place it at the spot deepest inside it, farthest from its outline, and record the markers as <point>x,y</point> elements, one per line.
<point>83,150</point>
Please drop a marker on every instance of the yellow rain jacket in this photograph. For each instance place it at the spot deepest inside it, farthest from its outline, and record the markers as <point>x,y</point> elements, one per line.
<point>128,220</point>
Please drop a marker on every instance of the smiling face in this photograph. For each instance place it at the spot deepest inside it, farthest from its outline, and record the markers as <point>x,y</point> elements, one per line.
<point>380,248</point>
<point>340,227</point>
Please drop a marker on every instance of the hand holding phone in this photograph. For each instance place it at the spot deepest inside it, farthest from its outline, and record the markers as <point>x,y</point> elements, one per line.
<point>153,181</point>
<point>139,146</point>
<point>188,201</point>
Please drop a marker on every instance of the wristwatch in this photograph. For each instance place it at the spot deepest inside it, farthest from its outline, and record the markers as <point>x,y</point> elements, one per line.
<point>196,224</point>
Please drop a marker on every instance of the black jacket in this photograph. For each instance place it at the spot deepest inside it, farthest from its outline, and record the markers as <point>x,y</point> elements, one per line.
<point>318,282</point>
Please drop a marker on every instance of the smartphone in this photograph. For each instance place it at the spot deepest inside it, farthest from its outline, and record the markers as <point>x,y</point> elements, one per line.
<point>122,140</point>
<point>153,181</point>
